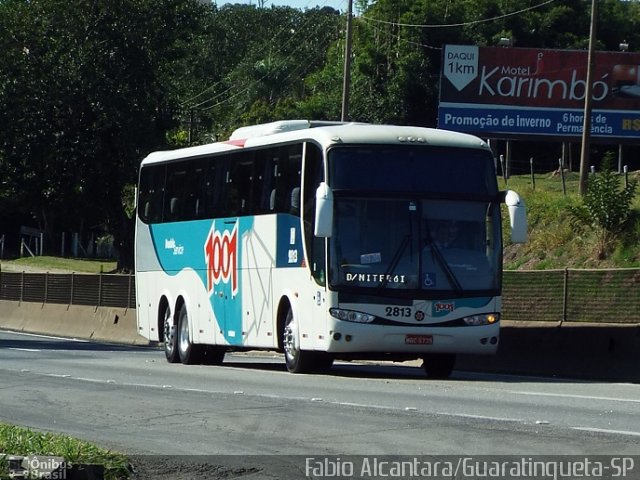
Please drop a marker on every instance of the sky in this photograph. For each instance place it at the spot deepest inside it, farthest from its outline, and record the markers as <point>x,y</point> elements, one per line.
<point>341,5</point>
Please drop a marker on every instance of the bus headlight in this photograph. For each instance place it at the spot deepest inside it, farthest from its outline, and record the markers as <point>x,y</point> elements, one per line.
<point>351,315</point>
<point>485,319</point>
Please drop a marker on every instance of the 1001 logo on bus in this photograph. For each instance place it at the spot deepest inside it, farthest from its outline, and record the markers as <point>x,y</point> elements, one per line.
<point>221,257</point>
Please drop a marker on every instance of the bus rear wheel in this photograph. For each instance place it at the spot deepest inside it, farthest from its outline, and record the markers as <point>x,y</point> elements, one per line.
<point>187,351</point>
<point>439,365</point>
<point>170,337</point>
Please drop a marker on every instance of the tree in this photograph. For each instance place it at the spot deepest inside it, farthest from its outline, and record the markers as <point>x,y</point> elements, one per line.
<point>88,91</point>
<point>272,52</point>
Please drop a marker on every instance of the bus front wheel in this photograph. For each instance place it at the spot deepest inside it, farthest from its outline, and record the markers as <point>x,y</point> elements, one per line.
<point>297,360</point>
<point>170,337</point>
<point>439,365</point>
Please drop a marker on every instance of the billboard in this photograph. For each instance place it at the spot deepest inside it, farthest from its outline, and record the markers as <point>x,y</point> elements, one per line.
<point>524,92</point>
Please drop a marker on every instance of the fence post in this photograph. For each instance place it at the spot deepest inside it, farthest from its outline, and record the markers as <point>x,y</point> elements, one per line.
<point>100,289</point>
<point>564,184</point>
<point>504,171</point>
<point>565,295</point>
<point>626,177</point>
<point>533,177</point>
<point>129,292</point>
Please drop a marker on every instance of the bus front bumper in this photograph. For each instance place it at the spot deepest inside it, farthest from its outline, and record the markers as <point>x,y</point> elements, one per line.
<point>348,337</point>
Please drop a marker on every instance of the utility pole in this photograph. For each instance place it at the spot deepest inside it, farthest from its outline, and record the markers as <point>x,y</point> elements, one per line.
<point>346,76</point>
<point>586,125</point>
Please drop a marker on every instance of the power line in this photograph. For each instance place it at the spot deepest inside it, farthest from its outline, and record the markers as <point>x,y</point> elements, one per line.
<point>399,38</point>
<point>266,46</point>
<point>247,88</point>
<point>464,24</point>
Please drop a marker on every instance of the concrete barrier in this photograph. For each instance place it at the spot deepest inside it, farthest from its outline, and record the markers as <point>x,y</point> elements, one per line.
<point>107,324</point>
<point>575,350</point>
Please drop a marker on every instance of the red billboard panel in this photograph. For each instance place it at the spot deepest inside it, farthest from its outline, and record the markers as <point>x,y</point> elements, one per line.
<point>526,91</point>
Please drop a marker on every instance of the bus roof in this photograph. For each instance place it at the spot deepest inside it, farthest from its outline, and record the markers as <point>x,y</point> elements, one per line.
<point>325,134</point>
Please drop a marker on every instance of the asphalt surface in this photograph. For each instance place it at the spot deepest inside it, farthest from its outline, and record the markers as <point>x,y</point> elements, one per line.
<point>131,400</point>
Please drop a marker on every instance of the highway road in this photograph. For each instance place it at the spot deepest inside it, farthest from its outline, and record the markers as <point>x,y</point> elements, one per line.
<point>131,400</point>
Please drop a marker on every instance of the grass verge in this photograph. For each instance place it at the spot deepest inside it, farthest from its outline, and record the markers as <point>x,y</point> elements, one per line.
<point>53,264</point>
<point>24,441</point>
<point>553,241</point>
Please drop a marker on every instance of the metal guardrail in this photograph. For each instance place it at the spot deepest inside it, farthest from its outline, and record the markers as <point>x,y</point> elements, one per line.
<point>611,296</point>
<point>99,290</point>
<point>572,295</point>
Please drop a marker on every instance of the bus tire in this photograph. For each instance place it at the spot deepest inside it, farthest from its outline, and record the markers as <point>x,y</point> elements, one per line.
<point>439,365</point>
<point>188,352</point>
<point>297,360</point>
<point>170,334</point>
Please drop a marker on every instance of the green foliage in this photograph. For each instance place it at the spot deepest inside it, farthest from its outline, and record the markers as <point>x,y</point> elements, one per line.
<point>57,264</point>
<point>606,207</point>
<point>24,441</point>
<point>88,89</point>
<point>555,239</point>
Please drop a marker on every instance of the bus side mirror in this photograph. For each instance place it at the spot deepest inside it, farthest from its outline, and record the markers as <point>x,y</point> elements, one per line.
<point>324,211</point>
<point>517,216</point>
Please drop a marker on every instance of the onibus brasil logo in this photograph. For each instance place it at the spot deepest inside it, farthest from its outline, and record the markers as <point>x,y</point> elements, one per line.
<point>221,257</point>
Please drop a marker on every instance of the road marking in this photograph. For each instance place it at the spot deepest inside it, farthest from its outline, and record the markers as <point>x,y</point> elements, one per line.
<point>45,336</point>
<point>605,430</point>
<point>25,349</point>
<point>379,407</point>
<point>481,417</point>
<point>570,395</point>
<point>90,380</point>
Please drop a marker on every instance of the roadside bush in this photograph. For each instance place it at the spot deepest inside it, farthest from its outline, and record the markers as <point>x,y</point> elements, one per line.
<point>606,207</point>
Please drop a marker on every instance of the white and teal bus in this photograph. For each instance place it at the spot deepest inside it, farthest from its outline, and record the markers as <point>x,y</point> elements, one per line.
<point>323,240</point>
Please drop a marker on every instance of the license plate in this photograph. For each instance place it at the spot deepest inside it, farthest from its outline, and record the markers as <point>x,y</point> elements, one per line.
<point>418,339</point>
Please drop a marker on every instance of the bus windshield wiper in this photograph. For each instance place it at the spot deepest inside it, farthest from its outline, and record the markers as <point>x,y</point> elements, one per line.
<point>396,259</point>
<point>437,253</point>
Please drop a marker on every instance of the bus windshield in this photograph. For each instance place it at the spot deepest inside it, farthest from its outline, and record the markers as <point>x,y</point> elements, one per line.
<point>441,236</point>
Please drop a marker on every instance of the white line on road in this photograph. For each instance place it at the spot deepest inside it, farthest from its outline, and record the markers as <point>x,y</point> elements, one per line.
<point>570,395</point>
<point>380,407</point>
<point>45,336</point>
<point>25,349</point>
<point>605,430</point>
<point>482,417</point>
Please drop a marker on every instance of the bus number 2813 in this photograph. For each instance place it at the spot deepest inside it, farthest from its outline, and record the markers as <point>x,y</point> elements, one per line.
<point>398,311</point>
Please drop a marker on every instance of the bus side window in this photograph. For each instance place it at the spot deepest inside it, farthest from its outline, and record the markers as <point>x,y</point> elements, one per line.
<point>261,184</point>
<point>231,195</point>
<point>315,246</point>
<point>211,188</point>
<point>282,167</point>
<point>289,167</point>
<point>294,201</point>
<point>193,208</point>
<point>177,191</point>
<point>150,193</point>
